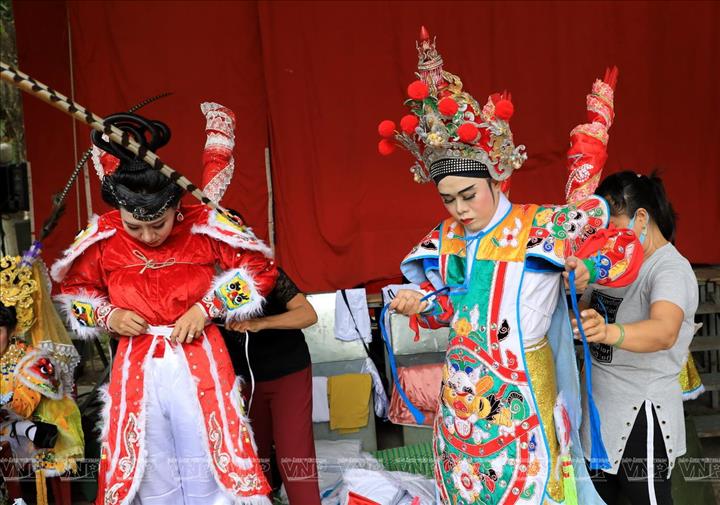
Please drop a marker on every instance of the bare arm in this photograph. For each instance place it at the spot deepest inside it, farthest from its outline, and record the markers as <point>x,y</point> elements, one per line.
<point>658,333</point>
<point>300,314</point>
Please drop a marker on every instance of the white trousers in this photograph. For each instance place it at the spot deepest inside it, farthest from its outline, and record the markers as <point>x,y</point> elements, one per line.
<point>177,471</point>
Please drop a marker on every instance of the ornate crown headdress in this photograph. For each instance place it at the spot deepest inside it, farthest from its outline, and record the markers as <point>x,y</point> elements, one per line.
<point>16,289</point>
<point>448,132</point>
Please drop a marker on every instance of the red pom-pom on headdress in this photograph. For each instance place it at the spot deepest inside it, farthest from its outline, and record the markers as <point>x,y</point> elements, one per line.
<point>386,147</point>
<point>468,133</point>
<point>418,90</point>
<point>504,109</point>
<point>447,106</point>
<point>408,123</point>
<point>386,128</point>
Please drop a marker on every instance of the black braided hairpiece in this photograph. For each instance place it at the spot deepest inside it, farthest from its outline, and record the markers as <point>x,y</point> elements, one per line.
<point>59,101</point>
<point>150,134</point>
<point>134,186</point>
<point>58,208</point>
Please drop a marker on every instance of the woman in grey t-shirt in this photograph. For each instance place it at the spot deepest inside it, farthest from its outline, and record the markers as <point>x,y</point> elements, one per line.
<point>639,338</point>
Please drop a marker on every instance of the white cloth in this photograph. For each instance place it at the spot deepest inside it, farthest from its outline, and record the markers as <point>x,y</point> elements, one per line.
<point>320,406</point>
<point>177,470</point>
<point>379,395</point>
<point>389,488</point>
<point>345,321</point>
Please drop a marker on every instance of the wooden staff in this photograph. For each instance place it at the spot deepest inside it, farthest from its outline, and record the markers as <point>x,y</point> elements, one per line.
<point>58,200</point>
<point>49,95</point>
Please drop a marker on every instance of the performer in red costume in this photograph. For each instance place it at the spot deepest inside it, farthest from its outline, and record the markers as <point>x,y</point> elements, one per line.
<point>174,428</point>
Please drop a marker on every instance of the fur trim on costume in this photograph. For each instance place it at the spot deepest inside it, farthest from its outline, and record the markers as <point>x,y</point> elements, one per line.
<point>202,431</point>
<point>80,310</point>
<point>237,291</point>
<point>691,395</point>
<point>236,400</point>
<point>142,425</point>
<point>253,500</point>
<point>83,240</point>
<point>106,399</point>
<point>219,227</point>
<point>232,443</point>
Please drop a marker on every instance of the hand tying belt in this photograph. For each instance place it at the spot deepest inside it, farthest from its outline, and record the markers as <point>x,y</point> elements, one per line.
<point>160,331</point>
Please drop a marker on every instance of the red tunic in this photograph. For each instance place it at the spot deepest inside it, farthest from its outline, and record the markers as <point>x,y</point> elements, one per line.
<point>106,269</point>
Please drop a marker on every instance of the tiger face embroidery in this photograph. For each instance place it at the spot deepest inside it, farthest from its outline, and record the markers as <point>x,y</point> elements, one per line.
<point>234,293</point>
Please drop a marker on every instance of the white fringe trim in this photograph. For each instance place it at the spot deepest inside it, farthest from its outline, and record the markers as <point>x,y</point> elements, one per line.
<point>250,500</point>
<point>231,235</point>
<point>142,423</point>
<point>253,500</point>
<point>237,403</point>
<point>60,268</point>
<point>66,300</point>
<point>115,456</point>
<point>104,428</point>
<point>232,444</point>
<point>691,395</point>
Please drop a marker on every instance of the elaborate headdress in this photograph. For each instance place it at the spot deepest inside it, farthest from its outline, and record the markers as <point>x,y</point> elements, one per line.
<point>113,162</point>
<point>218,163</point>
<point>448,132</point>
<point>16,290</point>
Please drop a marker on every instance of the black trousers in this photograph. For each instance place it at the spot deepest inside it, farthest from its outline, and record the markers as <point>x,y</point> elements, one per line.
<point>630,485</point>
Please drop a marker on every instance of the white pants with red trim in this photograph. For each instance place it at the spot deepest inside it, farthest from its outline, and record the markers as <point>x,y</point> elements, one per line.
<point>177,470</point>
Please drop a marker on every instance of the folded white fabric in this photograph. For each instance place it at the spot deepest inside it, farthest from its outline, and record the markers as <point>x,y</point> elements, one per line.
<point>389,488</point>
<point>320,407</point>
<point>352,318</point>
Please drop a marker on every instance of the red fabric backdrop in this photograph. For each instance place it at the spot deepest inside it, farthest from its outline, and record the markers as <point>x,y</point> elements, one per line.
<point>313,79</point>
<point>48,133</point>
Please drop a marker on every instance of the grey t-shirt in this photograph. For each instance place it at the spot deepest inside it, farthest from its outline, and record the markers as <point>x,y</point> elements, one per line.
<point>624,380</point>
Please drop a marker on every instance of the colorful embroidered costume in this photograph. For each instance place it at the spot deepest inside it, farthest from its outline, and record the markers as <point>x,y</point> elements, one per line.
<point>510,401</point>
<point>106,269</point>
<point>36,379</point>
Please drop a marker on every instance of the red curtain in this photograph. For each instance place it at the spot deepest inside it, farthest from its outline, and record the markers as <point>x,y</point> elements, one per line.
<point>48,132</point>
<point>313,79</point>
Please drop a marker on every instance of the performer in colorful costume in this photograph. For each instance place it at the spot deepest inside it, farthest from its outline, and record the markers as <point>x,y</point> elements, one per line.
<point>174,428</point>
<point>494,272</point>
<point>40,419</point>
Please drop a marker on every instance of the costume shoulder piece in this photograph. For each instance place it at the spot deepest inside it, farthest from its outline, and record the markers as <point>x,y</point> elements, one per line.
<point>424,257</point>
<point>221,227</point>
<point>24,366</point>
<point>37,372</point>
<point>99,228</point>
<point>559,231</point>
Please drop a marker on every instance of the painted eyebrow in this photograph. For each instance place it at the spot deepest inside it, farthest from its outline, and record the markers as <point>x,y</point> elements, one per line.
<point>461,191</point>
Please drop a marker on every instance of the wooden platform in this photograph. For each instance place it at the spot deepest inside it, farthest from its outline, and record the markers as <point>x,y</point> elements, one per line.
<point>711,381</point>
<point>707,426</point>
<point>705,344</point>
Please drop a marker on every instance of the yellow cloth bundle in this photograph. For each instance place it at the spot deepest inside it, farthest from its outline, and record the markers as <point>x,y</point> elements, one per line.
<point>349,400</point>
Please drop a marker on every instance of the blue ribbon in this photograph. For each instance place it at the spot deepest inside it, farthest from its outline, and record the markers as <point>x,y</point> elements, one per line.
<point>598,455</point>
<point>417,414</point>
